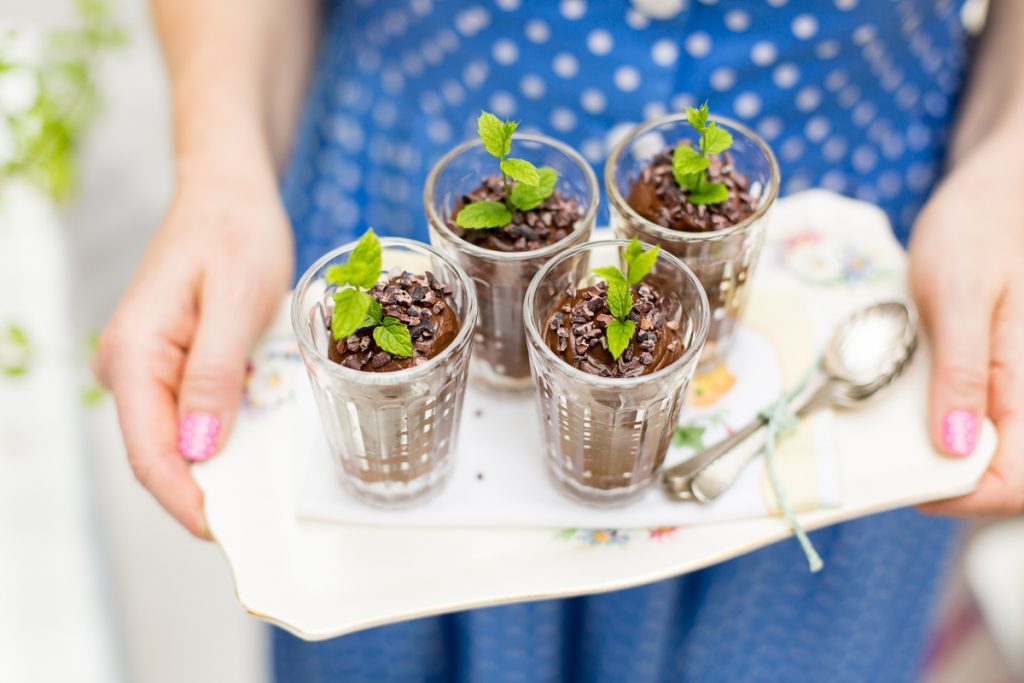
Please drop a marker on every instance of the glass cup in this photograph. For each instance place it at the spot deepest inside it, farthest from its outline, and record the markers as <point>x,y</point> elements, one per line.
<point>724,260</point>
<point>500,360</point>
<point>393,433</point>
<point>606,437</point>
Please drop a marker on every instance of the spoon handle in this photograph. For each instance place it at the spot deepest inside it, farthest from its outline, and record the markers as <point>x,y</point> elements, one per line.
<point>714,479</point>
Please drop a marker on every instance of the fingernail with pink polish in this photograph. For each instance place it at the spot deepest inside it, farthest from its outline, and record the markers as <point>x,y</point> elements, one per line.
<point>197,436</point>
<point>960,431</point>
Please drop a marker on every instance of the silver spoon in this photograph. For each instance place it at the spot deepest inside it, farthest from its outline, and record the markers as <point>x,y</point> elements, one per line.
<point>867,352</point>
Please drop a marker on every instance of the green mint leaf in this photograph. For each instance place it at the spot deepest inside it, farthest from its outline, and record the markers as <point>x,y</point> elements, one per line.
<point>691,182</point>
<point>525,197</point>
<point>364,263</point>
<point>620,300</point>
<point>18,336</point>
<point>374,314</point>
<point>698,118</point>
<point>634,249</point>
<point>522,171</point>
<point>641,264</point>
<point>483,215</point>
<point>709,193</point>
<point>393,336</point>
<point>715,140</point>
<point>493,133</point>
<point>93,395</point>
<point>610,274</point>
<point>337,275</point>
<point>619,333</point>
<point>691,436</point>
<point>508,129</point>
<point>350,307</point>
<point>687,161</point>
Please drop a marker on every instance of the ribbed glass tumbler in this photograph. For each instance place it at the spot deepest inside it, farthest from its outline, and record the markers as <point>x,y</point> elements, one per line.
<point>501,277</point>
<point>723,259</point>
<point>606,437</point>
<point>392,433</point>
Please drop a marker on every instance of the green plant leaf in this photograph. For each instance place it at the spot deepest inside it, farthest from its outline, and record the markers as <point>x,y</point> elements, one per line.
<point>374,314</point>
<point>698,117</point>
<point>522,171</point>
<point>393,336</point>
<point>525,197</point>
<point>634,249</point>
<point>709,193</point>
<point>18,335</point>
<point>509,129</point>
<point>610,274</point>
<point>350,308</point>
<point>619,333</point>
<point>494,134</point>
<point>337,274</point>
<point>364,264</point>
<point>93,395</point>
<point>715,140</point>
<point>687,161</point>
<point>485,214</point>
<point>620,300</point>
<point>691,436</point>
<point>641,264</point>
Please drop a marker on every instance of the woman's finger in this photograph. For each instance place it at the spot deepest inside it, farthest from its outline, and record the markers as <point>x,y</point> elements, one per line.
<point>148,415</point>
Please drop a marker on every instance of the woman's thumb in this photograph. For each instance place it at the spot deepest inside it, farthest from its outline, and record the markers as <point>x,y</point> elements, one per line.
<point>214,378</point>
<point>959,383</point>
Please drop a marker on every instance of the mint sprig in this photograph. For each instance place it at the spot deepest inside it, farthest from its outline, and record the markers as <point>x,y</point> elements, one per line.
<point>532,185</point>
<point>689,165</point>
<point>639,262</point>
<point>355,309</point>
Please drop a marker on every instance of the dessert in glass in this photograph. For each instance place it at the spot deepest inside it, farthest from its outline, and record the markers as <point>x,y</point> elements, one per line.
<point>612,350</point>
<point>479,184</point>
<point>702,188</point>
<point>385,330</point>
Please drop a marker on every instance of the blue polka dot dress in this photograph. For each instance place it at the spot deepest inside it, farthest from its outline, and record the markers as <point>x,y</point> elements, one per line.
<point>854,95</point>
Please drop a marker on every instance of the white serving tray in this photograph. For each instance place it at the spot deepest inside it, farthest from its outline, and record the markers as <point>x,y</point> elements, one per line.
<point>321,579</point>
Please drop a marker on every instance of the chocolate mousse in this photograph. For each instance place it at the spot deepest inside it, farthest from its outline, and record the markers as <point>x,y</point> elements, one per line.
<point>575,330</point>
<point>659,198</point>
<point>544,225</point>
<point>423,304</point>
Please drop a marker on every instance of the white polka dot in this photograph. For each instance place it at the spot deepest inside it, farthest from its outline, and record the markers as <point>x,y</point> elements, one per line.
<point>422,7</point>
<point>723,78</point>
<point>682,101</point>
<point>817,129</point>
<point>350,176</point>
<point>600,42</point>
<point>453,92</point>
<point>565,65</point>
<point>664,52</point>
<point>864,34</point>
<point>907,96</point>
<point>792,149</point>
<point>864,159</point>
<point>395,23</point>
<point>636,20</point>
<point>808,98</point>
<point>890,184</point>
<point>698,44</point>
<point>737,20</point>
<point>777,3</point>
<point>348,133</point>
<point>804,26</point>
<point>592,100</point>
<point>412,63</point>
<point>891,79</point>
<point>562,119</point>
<point>432,52</point>
<point>770,127</point>
<point>385,113</point>
<point>659,9</point>
<point>893,147</point>
<point>863,114</point>
<point>502,103</point>
<point>537,31</point>
<point>918,136</point>
<point>786,75</point>
<point>797,183</point>
<point>936,104</point>
<point>747,105</point>
<point>392,81</point>
<point>836,80</point>
<point>919,176</point>
<point>873,51</point>
<point>834,180</point>
<point>507,5</point>
<point>826,49</point>
<point>430,103</point>
<point>572,9</point>
<point>368,60</point>
<point>849,96</point>
<point>505,51</point>
<point>532,86</point>
<point>616,134</point>
<point>654,110</point>
<point>475,73</point>
<point>378,150</point>
<point>626,78</point>
<point>845,5</point>
<point>878,130</point>
<point>471,21</point>
<point>867,193</point>
<point>593,150</point>
<point>763,53</point>
<point>448,41</point>
<point>834,149</point>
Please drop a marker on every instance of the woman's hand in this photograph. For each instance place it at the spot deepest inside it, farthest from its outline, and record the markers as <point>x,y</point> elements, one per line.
<point>967,274</point>
<point>174,354</point>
